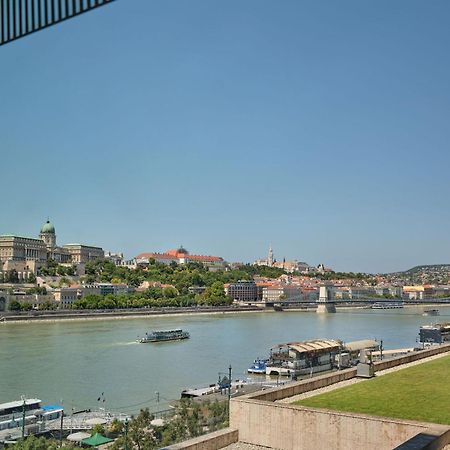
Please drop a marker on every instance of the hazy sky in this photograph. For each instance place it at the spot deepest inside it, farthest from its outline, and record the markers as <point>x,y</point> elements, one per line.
<point>320,127</point>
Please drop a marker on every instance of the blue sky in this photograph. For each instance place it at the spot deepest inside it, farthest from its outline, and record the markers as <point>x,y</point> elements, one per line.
<point>319,127</point>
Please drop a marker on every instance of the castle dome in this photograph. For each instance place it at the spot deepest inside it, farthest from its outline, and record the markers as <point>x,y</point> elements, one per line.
<point>48,227</point>
<point>182,250</point>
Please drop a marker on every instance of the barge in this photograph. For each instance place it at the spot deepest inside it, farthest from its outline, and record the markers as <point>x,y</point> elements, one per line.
<point>301,358</point>
<point>309,357</point>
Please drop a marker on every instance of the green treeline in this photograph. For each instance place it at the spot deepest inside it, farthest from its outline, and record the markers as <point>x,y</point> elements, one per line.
<point>182,276</point>
<point>179,278</point>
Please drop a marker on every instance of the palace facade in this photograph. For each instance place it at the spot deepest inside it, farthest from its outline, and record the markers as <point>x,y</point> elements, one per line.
<point>27,255</point>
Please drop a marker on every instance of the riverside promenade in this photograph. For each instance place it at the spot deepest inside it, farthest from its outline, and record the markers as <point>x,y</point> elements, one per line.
<point>86,314</point>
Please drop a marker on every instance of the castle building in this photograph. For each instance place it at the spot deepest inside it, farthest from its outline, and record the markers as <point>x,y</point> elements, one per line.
<point>27,255</point>
<point>181,256</point>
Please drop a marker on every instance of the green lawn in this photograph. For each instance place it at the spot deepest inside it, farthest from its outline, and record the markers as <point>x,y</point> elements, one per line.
<point>420,393</point>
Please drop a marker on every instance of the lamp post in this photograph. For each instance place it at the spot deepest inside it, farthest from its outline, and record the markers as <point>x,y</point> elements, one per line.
<point>61,428</point>
<point>126,433</point>
<point>23,417</point>
<point>229,384</point>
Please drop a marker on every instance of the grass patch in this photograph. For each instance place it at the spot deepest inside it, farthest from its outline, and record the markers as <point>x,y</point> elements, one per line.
<point>421,392</point>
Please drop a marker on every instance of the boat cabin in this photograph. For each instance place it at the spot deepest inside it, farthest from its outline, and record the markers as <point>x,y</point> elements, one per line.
<point>435,334</point>
<point>299,358</point>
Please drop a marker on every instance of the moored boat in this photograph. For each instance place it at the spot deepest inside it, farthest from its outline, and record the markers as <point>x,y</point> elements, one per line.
<point>434,334</point>
<point>163,336</point>
<point>258,366</point>
<point>301,358</point>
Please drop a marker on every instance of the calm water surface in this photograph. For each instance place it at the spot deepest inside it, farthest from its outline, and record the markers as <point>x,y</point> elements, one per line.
<point>75,362</point>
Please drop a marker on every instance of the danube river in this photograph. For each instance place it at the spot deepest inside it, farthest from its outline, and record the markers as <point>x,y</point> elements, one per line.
<point>75,362</point>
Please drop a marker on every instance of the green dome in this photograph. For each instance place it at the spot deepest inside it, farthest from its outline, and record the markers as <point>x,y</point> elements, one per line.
<point>47,228</point>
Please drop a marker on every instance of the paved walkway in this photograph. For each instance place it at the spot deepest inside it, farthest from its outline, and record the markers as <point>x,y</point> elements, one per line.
<point>243,446</point>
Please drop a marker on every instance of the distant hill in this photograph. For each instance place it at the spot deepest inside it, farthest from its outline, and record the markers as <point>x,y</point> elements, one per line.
<point>429,268</point>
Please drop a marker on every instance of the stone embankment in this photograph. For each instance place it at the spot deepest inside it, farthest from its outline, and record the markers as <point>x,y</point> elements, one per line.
<point>50,316</point>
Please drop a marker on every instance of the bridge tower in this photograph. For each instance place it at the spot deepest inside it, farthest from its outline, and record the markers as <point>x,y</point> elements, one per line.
<point>326,303</point>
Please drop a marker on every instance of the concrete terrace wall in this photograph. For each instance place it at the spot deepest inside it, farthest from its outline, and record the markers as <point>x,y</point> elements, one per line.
<point>410,357</point>
<point>262,422</point>
<point>300,387</point>
<point>210,441</point>
<point>295,428</point>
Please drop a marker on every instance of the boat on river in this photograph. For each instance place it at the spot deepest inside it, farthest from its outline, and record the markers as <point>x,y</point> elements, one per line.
<point>387,305</point>
<point>431,312</point>
<point>163,336</point>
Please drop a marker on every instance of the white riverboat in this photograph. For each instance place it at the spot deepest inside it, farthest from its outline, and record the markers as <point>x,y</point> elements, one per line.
<point>13,413</point>
<point>163,336</point>
<point>387,305</point>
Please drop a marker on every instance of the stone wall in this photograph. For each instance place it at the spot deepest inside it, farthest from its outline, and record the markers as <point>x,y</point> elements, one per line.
<point>210,441</point>
<point>289,427</point>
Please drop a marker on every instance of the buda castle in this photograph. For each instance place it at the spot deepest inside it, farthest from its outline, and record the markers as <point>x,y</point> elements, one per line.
<point>27,255</point>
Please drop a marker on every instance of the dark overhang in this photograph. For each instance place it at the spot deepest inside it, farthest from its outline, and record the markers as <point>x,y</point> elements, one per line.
<point>19,18</point>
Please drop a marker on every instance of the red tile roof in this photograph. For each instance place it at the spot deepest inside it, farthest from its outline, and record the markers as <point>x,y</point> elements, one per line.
<point>172,254</point>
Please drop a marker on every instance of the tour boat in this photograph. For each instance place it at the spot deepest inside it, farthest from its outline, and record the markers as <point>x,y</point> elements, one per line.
<point>162,336</point>
<point>387,305</point>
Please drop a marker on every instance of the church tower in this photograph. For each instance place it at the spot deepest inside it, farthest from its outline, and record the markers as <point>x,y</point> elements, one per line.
<point>48,235</point>
<point>270,257</point>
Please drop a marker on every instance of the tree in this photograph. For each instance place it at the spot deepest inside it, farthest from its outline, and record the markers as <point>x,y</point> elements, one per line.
<point>170,292</point>
<point>31,278</point>
<point>12,276</point>
<point>215,294</point>
<point>41,443</point>
<point>98,429</point>
<point>140,434</point>
<point>15,306</point>
<point>116,427</point>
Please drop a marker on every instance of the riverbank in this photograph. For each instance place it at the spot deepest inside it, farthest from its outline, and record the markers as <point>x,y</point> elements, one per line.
<point>71,316</point>
<point>84,315</point>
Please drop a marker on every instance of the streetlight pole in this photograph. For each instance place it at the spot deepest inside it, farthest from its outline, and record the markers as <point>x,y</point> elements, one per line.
<point>61,428</point>
<point>126,433</point>
<point>229,385</point>
<point>23,417</point>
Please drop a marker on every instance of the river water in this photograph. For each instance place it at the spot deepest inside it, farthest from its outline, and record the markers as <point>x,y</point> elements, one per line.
<point>75,362</point>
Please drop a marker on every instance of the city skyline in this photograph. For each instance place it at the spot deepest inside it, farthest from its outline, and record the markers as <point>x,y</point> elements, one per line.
<point>160,252</point>
<point>317,128</point>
